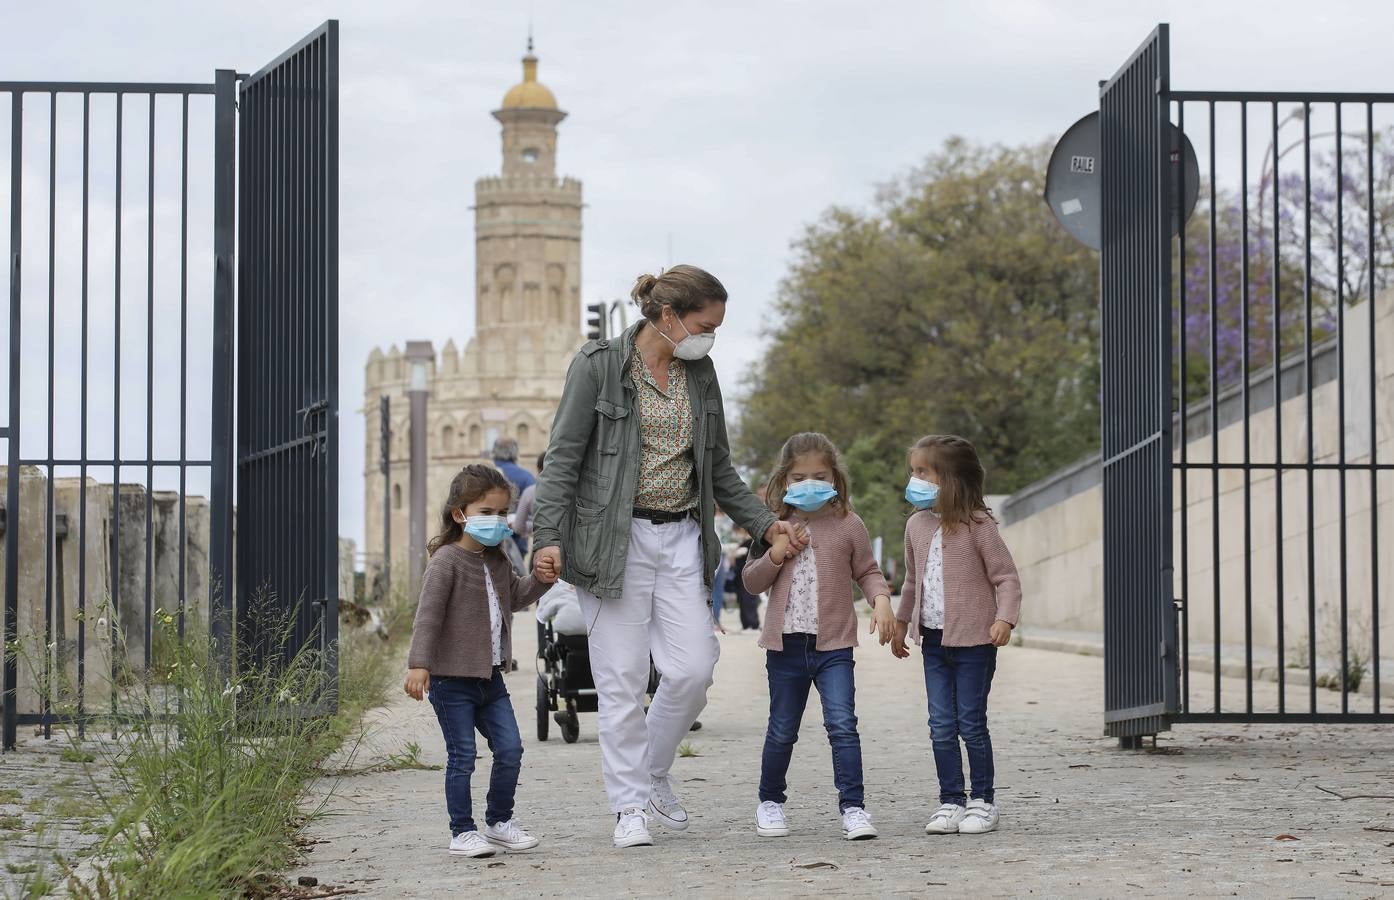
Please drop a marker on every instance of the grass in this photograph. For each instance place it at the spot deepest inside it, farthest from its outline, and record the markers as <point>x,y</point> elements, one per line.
<point>11,823</point>
<point>76,755</point>
<point>409,758</point>
<point>208,800</point>
<point>686,750</point>
<point>10,795</point>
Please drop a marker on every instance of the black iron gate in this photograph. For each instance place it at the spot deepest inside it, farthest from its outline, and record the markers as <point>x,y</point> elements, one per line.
<point>1245,394</point>
<point>1135,273</point>
<point>287,405</point>
<point>87,566</point>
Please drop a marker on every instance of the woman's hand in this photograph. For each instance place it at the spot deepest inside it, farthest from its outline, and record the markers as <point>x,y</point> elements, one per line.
<point>1000,633</point>
<point>546,565</point>
<point>898,648</point>
<point>418,680</point>
<point>779,549</point>
<point>882,620</point>
<point>796,533</point>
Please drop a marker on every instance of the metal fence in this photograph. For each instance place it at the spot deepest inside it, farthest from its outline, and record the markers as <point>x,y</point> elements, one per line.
<point>121,215</point>
<point>1242,384</point>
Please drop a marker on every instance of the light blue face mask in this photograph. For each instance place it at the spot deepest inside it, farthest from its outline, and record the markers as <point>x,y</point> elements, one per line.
<point>488,530</point>
<point>810,495</point>
<point>921,494</point>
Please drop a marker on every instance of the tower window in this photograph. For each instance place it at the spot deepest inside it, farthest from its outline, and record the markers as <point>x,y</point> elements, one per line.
<point>530,154</point>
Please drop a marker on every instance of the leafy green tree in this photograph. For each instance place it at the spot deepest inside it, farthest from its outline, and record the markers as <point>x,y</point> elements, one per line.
<point>956,304</point>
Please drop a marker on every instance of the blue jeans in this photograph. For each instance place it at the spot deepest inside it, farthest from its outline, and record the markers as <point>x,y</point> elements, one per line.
<point>723,572</point>
<point>792,671</point>
<point>957,681</point>
<point>464,705</point>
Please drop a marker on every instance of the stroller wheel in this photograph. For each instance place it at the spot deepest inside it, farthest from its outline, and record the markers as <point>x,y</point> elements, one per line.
<point>541,708</point>
<point>570,727</point>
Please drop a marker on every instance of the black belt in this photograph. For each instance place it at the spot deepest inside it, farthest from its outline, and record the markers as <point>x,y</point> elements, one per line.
<point>661,516</point>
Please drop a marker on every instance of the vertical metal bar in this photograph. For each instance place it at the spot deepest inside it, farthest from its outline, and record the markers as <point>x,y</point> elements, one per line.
<point>386,443</point>
<point>330,337</point>
<point>1341,403</point>
<point>1244,395</point>
<point>115,612</point>
<point>1277,326</point>
<point>82,470</point>
<point>149,399</point>
<point>1165,579</point>
<point>1185,421</point>
<point>183,357</point>
<point>220,501</point>
<point>1214,418</point>
<point>1307,391</point>
<point>12,511</point>
<point>50,532</point>
<point>1374,415</point>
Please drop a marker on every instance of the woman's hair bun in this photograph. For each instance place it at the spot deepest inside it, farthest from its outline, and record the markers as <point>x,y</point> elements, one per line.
<point>643,296</point>
<point>684,288</point>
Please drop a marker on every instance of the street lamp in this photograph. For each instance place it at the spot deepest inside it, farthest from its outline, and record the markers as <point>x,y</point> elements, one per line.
<point>419,357</point>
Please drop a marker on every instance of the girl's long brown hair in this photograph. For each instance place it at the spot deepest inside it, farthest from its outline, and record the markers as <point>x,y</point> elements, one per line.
<point>471,483</point>
<point>961,478</point>
<point>799,445</point>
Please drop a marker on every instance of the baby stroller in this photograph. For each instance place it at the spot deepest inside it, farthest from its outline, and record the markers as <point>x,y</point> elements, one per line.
<point>564,684</point>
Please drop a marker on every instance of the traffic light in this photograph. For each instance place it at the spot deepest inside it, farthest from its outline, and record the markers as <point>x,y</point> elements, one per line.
<point>595,321</point>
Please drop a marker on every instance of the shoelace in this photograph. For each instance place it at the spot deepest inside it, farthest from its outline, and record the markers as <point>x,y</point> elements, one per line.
<point>633,819</point>
<point>856,818</point>
<point>770,810</point>
<point>663,790</point>
<point>509,830</point>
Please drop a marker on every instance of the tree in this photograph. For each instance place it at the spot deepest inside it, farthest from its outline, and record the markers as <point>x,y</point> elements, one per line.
<point>956,304</point>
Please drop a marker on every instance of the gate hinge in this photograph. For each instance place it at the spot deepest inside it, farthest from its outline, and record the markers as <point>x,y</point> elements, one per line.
<point>1165,651</point>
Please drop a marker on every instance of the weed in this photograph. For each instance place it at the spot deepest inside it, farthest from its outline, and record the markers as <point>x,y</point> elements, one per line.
<point>10,795</point>
<point>686,750</point>
<point>76,755</point>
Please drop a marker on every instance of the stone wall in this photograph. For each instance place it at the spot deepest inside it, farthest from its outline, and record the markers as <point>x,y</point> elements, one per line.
<point>1054,527</point>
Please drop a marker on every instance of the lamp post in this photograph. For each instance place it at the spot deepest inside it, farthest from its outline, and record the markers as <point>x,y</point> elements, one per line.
<point>419,356</point>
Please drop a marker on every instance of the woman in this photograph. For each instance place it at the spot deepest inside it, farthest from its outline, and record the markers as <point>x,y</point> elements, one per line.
<point>638,461</point>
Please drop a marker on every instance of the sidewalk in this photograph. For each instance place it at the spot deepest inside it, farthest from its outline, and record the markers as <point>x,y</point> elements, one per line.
<point>1198,817</point>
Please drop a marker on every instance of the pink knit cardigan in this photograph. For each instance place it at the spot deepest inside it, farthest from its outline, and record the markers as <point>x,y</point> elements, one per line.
<point>842,551</point>
<point>981,584</point>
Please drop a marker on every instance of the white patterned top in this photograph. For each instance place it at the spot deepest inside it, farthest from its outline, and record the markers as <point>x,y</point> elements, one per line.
<point>801,616</point>
<point>932,603</point>
<point>495,619</point>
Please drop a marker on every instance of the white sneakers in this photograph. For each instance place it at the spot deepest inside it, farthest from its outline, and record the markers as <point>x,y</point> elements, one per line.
<point>470,843</point>
<point>509,835</point>
<point>856,824</point>
<point>501,835</point>
<point>632,828</point>
<point>664,805</point>
<point>946,819</point>
<point>770,821</point>
<point>978,817</point>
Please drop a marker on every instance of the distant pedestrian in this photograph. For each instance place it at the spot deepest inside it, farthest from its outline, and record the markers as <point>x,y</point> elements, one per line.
<point>460,642</point>
<point>960,601</point>
<point>746,600</point>
<point>505,453</point>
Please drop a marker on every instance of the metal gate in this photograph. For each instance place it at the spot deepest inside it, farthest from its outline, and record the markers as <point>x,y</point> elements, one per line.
<point>1135,338</point>
<point>91,581</point>
<point>287,404</point>
<point>1244,475</point>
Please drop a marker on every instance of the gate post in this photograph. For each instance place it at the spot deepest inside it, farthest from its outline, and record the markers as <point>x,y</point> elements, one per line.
<point>9,650</point>
<point>220,569</point>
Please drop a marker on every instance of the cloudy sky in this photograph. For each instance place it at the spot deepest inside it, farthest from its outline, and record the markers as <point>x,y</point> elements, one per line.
<point>718,129</point>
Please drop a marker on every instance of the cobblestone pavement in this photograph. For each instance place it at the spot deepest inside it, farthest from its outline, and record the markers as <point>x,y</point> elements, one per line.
<point>1213,811</point>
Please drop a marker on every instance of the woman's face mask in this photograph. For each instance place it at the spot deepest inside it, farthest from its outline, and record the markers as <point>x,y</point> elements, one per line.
<point>692,347</point>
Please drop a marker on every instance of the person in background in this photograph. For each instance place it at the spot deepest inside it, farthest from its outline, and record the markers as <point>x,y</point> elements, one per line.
<point>722,524</point>
<point>748,601</point>
<point>505,455</point>
<point>527,505</point>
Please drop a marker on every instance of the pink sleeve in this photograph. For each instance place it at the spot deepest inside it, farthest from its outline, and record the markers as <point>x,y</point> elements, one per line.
<point>907,590</point>
<point>865,570</point>
<point>1001,570</point>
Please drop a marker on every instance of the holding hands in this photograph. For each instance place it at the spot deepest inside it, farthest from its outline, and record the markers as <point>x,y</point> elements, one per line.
<point>786,540</point>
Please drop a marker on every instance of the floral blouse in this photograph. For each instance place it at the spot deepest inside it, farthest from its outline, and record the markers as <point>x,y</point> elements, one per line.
<point>932,603</point>
<point>666,468</point>
<point>801,617</point>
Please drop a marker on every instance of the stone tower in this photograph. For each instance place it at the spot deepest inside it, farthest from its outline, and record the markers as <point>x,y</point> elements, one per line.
<point>509,377</point>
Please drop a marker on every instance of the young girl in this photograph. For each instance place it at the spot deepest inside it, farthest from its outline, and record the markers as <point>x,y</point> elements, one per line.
<point>460,644</point>
<point>960,602</point>
<point>811,625</point>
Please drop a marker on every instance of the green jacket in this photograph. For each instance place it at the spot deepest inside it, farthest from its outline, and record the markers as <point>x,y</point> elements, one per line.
<point>585,495</point>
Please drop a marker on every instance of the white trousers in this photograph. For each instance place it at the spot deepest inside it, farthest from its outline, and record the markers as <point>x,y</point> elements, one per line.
<point>663,613</point>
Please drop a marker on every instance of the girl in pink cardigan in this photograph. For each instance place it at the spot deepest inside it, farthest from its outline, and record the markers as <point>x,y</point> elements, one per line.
<point>960,602</point>
<point>811,625</point>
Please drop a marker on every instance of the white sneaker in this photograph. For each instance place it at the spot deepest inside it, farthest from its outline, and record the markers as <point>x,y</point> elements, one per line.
<point>509,835</point>
<point>980,818</point>
<point>946,819</point>
<point>664,805</point>
<point>770,821</point>
<point>632,829</point>
<point>470,843</point>
<point>856,824</point>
